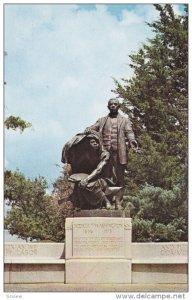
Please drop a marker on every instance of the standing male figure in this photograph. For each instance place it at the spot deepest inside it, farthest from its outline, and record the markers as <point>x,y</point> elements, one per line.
<point>117,135</point>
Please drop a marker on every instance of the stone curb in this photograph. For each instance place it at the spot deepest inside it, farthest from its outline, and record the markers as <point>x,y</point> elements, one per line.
<point>176,288</point>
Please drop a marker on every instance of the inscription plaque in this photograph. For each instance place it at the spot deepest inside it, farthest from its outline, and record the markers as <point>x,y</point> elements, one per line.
<point>98,238</point>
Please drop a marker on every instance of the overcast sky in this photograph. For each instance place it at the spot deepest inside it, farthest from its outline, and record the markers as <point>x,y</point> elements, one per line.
<point>59,69</point>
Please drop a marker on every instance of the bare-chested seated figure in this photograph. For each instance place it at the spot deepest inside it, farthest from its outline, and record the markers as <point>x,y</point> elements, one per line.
<point>86,159</point>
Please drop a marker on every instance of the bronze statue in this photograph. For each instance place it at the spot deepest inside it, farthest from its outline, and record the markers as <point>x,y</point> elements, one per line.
<point>117,136</point>
<point>86,160</point>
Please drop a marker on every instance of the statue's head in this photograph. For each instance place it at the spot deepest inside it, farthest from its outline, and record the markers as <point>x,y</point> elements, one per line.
<point>94,144</point>
<point>113,105</point>
<point>94,140</point>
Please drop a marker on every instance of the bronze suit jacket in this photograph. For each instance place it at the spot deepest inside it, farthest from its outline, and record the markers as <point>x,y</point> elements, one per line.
<point>124,133</point>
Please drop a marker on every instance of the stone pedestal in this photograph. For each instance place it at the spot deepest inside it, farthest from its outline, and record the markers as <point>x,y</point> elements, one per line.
<point>98,250</point>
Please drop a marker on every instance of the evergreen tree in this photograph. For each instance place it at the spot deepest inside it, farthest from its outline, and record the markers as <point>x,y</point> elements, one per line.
<point>160,215</point>
<point>155,99</point>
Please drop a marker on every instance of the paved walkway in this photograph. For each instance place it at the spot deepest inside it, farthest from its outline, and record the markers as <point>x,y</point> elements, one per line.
<point>60,287</point>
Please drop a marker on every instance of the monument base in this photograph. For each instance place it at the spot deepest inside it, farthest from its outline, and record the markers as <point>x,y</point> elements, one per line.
<point>98,250</point>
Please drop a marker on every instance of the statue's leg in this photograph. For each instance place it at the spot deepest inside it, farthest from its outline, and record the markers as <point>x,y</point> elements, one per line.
<point>102,193</point>
<point>118,178</point>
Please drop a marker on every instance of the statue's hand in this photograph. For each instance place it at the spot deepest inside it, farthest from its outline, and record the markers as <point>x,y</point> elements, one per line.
<point>133,144</point>
<point>83,183</point>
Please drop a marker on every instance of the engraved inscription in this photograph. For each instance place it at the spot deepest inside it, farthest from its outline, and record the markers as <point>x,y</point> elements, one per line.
<point>21,250</point>
<point>98,245</point>
<point>173,250</point>
<point>99,225</point>
<point>104,239</point>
